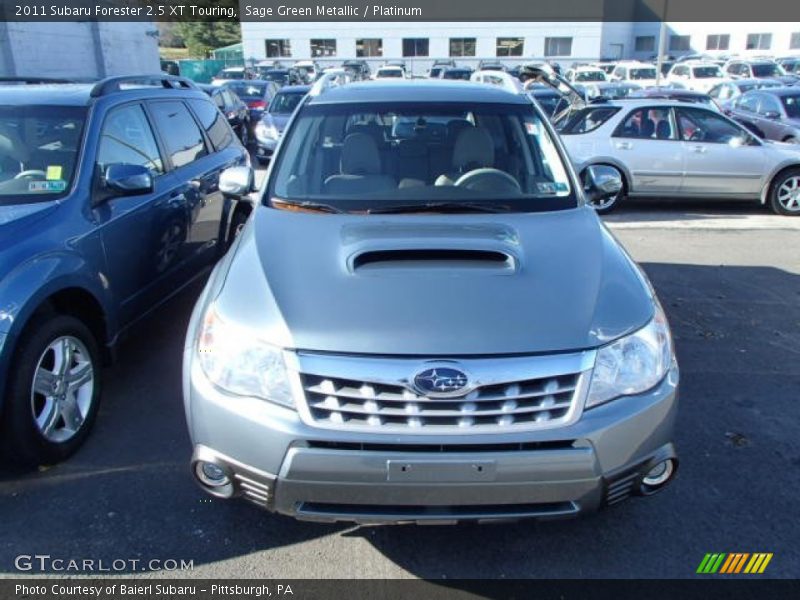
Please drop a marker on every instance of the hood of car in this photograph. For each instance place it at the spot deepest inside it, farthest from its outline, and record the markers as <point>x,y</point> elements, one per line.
<point>433,284</point>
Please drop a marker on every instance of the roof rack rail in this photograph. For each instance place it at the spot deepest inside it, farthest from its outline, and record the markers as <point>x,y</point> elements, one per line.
<point>36,79</point>
<point>114,84</point>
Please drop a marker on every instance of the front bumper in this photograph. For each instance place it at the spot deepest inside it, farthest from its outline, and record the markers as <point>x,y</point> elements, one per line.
<point>279,462</point>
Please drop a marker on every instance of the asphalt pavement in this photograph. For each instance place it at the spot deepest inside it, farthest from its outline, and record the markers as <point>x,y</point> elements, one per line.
<point>729,279</point>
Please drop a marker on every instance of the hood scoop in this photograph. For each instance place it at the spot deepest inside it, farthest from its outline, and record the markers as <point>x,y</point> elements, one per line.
<point>433,259</point>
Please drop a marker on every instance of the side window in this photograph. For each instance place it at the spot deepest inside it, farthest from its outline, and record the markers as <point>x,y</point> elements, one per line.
<point>215,124</point>
<point>229,97</point>
<point>217,98</point>
<point>747,102</point>
<point>127,138</point>
<point>619,72</point>
<point>698,125</point>
<point>768,104</point>
<point>179,131</point>
<point>647,123</point>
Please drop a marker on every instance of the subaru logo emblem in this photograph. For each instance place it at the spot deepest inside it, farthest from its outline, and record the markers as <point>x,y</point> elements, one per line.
<point>441,381</point>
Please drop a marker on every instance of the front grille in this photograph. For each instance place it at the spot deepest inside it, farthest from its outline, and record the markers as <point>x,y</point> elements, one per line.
<point>345,403</point>
<point>442,448</point>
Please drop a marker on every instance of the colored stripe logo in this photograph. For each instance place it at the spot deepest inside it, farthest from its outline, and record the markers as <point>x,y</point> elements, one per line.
<point>734,562</point>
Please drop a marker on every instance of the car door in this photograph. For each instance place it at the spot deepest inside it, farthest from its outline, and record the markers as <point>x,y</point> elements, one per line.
<point>646,141</point>
<point>128,225</point>
<point>190,229</point>
<point>721,158</point>
<point>743,110</point>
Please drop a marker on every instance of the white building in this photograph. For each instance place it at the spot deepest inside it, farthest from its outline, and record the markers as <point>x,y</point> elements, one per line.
<point>420,43</point>
<point>78,49</point>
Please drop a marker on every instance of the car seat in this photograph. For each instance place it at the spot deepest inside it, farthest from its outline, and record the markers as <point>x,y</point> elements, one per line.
<point>360,168</point>
<point>474,149</point>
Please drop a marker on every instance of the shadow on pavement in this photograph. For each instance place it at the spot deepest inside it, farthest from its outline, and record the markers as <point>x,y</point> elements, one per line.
<point>128,492</point>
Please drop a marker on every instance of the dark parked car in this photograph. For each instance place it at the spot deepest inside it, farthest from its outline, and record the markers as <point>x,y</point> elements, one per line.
<point>463,73</point>
<point>283,77</point>
<point>257,94</point>
<point>110,203</point>
<point>269,129</point>
<point>758,69</point>
<point>359,69</point>
<point>549,100</point>
<point>772,114</point>
<point>790,65</point>
<point>724,93</point>
<point>234,109</point>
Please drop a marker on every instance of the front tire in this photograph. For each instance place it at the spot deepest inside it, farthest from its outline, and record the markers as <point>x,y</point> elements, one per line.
<point>784,197</point>
<point>53,392</point>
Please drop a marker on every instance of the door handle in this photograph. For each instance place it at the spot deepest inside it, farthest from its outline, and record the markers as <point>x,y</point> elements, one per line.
<point>624,145</point>
<point>700,149</point>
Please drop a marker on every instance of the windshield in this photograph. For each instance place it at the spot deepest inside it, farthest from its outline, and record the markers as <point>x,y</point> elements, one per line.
<point>792,66</point>
<point>224,74</point>
<point>590,76</point>
<point>464,74</point>
<point>248,90</point>
<point>277,76</point>
<point>707,72</point>
<point>642,74</point>
<point>285,103</point>
<point>769,70</point>
<point>548,102</point>
<point>38,151</point>
<point>792,106</point>
<point>390,73</point>
<point>376,157</point>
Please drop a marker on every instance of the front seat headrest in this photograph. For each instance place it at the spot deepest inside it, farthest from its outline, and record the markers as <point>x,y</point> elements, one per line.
<point>474,148</point>
<point>360,155</point>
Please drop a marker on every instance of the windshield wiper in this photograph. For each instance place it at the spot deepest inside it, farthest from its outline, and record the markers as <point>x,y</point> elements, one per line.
<point>440,206</point>
<point>305,205</point>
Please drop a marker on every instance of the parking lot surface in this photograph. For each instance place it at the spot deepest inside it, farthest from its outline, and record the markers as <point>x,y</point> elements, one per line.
<point>729,279</point>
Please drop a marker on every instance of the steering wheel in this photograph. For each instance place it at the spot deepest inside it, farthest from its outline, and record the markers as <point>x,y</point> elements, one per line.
<point>698,135</point>
<point>30,174</point>
<point>488,180</point>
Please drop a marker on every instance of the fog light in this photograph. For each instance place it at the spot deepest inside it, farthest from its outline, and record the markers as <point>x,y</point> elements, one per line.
<point>210,474</point>
<point>659,475</point>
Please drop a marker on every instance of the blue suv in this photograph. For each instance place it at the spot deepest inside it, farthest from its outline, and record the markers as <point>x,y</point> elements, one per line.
<point>110,203</point>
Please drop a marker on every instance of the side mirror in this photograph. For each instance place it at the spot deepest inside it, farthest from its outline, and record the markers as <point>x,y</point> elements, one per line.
<point>771,114</point>
<point>128,180</point>
<point>600,182</point>
<point>237,182</point>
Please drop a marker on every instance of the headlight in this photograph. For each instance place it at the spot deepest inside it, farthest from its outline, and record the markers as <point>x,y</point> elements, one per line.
<point>633,364</point>
<point>234,360</point>
<point>266,132</point>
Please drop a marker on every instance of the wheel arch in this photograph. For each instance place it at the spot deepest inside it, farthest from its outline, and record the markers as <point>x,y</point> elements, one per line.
<point>767,189</point>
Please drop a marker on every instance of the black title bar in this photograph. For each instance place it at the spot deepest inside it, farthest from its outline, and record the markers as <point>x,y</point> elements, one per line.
<point>400,10</point>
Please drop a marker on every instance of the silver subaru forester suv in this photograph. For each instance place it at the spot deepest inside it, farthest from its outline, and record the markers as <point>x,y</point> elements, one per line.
<point>424,321</point>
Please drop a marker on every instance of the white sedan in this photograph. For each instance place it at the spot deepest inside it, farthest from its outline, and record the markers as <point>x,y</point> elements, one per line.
<point>667,148</point>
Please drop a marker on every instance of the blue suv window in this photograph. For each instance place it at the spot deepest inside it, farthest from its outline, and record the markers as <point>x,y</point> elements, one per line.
<point>217,128</point>
<point>39,148</point>
<point>179,131</point>
<point>127,139</point>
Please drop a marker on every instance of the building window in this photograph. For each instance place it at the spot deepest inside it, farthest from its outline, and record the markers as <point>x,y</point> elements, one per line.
<point>558,46</point>
<point>645,43</point>
<point>680,43</point>
<point>278,48</point>
<point>510,46</point>
<point>369,47</point>
<point>462,46</point>
<point>415,47</point>
<point>323,48</point>
<point>794,43</point>
<point>759,41</point>
<point>718,41</point>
